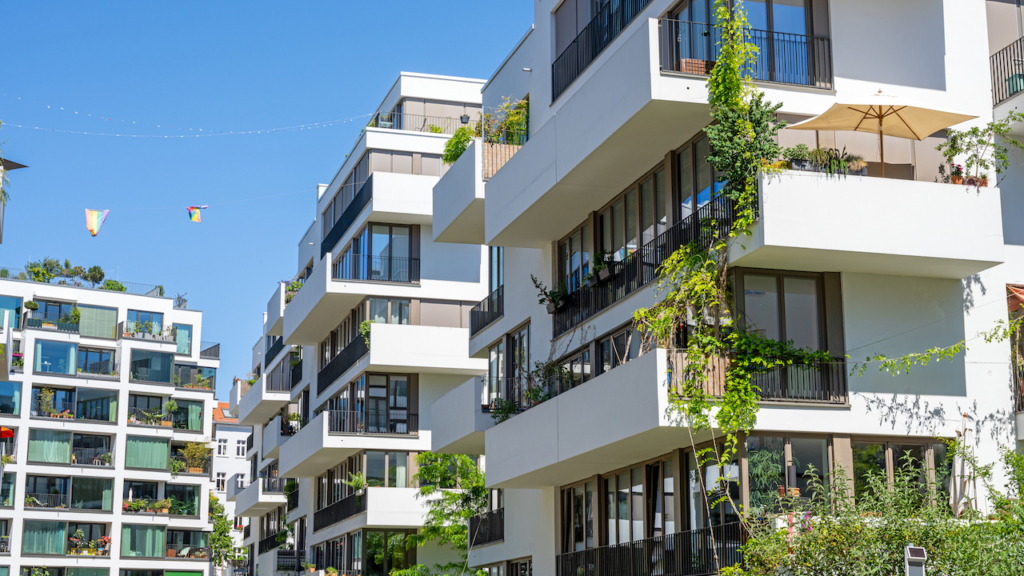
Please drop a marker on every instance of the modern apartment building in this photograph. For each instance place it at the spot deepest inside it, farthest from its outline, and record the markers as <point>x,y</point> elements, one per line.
<point>230,440</point>
<point>108,402</point>
<point>615,161</point>
<point>371,330</point>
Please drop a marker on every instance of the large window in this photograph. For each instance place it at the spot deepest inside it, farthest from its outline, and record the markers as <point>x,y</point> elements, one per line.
<point>97,322</point>
<point>49,446</point>
<point>185,499</point>
<point>91,493</point>
<point>389,469</point>
<point>11,304</point>
<point>617,348</point>
<point>635,218</point>
<point>136,489</point>
<point>10,398</point>
<point>44,537</point>
<point>54,311</point>
<point>150,366</point>
<point>495,267</point>
<point>147,322</point>
<point>387,551</point>
<point>388,310</point>
<point>198,377</point>
<point>54,401</point>
<point>7,490</point>
<point>574,258</point>
<point>784,307</point>
<point>95,404</point>
<point>189,415</point>
<point>96,361</point>
<point>769,467</point>
<point>917,459</point>
<point>56,357</point>
<point>380,252</point>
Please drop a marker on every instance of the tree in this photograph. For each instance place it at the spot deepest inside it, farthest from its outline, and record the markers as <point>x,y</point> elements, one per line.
<point>43,270</point>
<point>457,492</point>
<point>113,286</point>
<point>94,275</point>
<point>222,546</point>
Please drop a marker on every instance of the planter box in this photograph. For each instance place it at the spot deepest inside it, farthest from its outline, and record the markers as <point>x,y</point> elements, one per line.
<point>192,470</point>
<point>802,165</point>
<point>604,274</point>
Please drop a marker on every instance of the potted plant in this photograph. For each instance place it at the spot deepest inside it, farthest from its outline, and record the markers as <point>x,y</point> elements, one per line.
<point>170,407</point>
<point>553,299</point>
<point>856,165</point>
<point>46,402</point>
<point>162,506</point>
<point>195,455</point>
<point>77,541</point>
<point>357,482</point>
<point>105,459</point>
<point>30,307</point>
<point>176,466</point>
<point>7,459</point>
<point>602,260</point>
<point>797,157</point>
<point>331,571</point>
<point>309,566</point>
<point>956,173</point>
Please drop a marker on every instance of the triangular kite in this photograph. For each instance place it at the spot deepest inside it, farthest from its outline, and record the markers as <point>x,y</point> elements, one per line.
<point>94,220</point>
<point>193,212</point>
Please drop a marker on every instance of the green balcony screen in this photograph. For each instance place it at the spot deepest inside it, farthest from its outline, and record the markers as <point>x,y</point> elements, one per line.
<point>91,493</point>
<point>49,446</point>
<point>97,322</point>
<point>142,541</point>
<point>43,537</point>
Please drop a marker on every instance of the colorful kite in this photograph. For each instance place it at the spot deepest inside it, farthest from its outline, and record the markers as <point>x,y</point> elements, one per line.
<point>94,220</point>
<point>193,212</point>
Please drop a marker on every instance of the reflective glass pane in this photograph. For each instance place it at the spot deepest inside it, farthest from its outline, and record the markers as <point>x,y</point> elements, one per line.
<point>761,303</point>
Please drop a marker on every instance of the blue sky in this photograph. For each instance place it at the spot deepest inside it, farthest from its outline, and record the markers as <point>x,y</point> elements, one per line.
<point>160,69</point>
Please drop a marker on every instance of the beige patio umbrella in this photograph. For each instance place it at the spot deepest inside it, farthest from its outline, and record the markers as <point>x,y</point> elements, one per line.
<point>888,115</point>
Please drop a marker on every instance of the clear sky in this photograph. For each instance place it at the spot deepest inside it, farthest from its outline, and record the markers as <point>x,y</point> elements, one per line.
<point>149,68</point>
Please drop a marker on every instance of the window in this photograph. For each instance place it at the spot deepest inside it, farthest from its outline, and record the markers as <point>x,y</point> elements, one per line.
<point>183,336</point>
<point>135,490</point>
<point>49,446</point>
<point>97,322</point>
<point>496,372</point>
<point>240,448</point>
<point>7,490</point>
<point>380,252</point>
<point>146,541</point>
<point>150,366</point>
<point>10,398</point>
<point>633,219</point>
<point>197,377</point>
<point>11,304</point>
<point>697,184</point>
<point>575,370</point>
<point>880,462</point>
<point>54,311</point>
<point>96,361</point>
<point>59,401</point>
<point>43,537</point>
<point>574,258</point>
<point>221,481</point>
<point>188,416</point>
<point>222,447</point>
<point>768,467</point>
<point>148,322</point>
<point>150,453</point>
<point>618,348</point>
<point>784,307</point>
<point>496,267</point>
<point>55,357</point>
<point>91,493</point>
<point>239,481</point>
<point>388,310</point>
<point>185,499</point>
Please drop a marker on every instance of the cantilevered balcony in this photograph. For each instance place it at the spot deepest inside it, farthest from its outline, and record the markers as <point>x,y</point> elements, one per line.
<point>376,506</point>
<point>261,496</point>
<point>335,435</point>
<point>264,399</point>
<point>275,434</point>
<point>275,311</point>
<point>809,221</point>
<point>460,419</point>
<point>403,348</point>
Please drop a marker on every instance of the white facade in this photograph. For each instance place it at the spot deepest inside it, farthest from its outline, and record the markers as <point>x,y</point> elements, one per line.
<point>229,464</point>
<point>87,402</point>
<point>348,366</point>
<point>878,266</point>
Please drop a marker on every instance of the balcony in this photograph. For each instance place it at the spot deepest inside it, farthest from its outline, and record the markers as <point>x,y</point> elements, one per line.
<point>608,129</point>
<point>266,398</point>
<point>140,331</point>
<point>187,552</point>
<point>377,506</point>
<point>290,561</point>
<point>402,347</point>
<point>624,416</point>
<point>458,199</point>
<point>417,122</point>
<point>691,553</point>
<point>341,510</point>
<point>333,436</point>
<point>641,267</point>
<point>369,268</point>
<point>209,350</point>
<point>232,487</point>
<point>179,466</point>
<point>270,543</point>
<point>359,201</point>
<point>487,528</point>
<point>692,48</point>
<point>486,311</point>
<point>99,457</point>
<point>275,434</point>
<point>275,310</point>
<point>1007,72</point>
<point>888,226</point>
<point>238,391</point>
<point>272,351</point>
<point>52,501</point>
<point>459,421</point>
<point>296,378</point>
<point>51,325</point>
<point>260,496</point>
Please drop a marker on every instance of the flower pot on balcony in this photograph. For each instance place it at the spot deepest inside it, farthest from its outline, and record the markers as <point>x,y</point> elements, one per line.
<point>551,307</point>
<point>782,491</point>
<point>983,182</point>
<point>172,553</point>
<point>591,281</point>
<point>166,423</point>
<point>192,470</point>
<point>604,274</point>
<point>956,179</point>
<point>465,120</point>
<point>695,66</point>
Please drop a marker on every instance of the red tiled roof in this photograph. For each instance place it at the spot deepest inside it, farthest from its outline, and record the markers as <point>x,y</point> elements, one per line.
<point>218,414</point>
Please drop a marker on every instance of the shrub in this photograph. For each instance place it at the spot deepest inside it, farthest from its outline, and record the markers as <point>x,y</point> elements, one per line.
<point>113,286</point>
<point>457,144</point>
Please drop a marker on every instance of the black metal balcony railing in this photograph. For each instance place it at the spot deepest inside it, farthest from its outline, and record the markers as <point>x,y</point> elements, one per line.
<point>273,350</point>
<point>692,48</point>
<point>106,370</point>
<point>341,363</point>
<point>487,310</point>
<point>487,528</point>
<point>812,382</point>
<point>92,456</point>
<point>348,216</point>
<point>290,560</point>
<point>376,268</point>
<point>5,545</point>
<point>606,25</point>
<point>513,389</point>
<point>419,122</point>
<point>269,543</point>
<point>44,324</point>
<point>273,484</point>
<point>711,221</point>
<point>210,350</point>
<point>46,500</point>
<point>339,511</point>
<point>296,374</point>
<point>248,443</point>
<point>693,553</point>
<point>279,380</point>
<point>372,422</point>
<point>1007,67</point>
<point>293,499</point>
<point>247,531</point>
